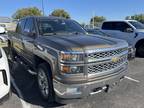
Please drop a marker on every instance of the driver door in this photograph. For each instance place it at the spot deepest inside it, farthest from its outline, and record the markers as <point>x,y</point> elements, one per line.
<point>28,39</point>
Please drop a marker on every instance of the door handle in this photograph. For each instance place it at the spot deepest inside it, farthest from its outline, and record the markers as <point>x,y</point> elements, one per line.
<point>39,47</point>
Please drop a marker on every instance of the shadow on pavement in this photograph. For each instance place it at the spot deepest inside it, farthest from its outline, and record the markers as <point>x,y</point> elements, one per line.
<point>28,86</point>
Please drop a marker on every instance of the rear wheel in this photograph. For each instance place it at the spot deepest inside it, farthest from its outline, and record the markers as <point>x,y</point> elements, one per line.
<point>140,50</point>
<point>45,84</point>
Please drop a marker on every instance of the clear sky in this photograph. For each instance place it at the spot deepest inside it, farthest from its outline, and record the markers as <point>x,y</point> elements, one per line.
<point>80,10</point>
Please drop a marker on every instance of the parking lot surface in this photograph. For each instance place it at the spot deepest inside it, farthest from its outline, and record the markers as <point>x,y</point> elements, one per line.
<point>129,94</point>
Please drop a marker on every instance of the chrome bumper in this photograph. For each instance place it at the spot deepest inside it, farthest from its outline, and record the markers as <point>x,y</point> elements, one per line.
<point>70,93</point>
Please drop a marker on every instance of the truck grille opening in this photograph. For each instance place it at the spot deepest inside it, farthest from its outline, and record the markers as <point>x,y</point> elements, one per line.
<point>100,55</point>
<point>106,66</point>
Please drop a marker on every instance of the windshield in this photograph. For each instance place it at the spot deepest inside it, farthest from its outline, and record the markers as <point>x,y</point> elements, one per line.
<point>59,26</point>
<point>137,25</point>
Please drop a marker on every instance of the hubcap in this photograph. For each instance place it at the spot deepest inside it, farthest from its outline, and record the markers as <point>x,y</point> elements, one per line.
<point>43,83</point>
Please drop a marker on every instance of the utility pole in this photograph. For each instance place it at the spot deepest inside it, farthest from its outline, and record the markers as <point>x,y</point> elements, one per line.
<point>93,19</point>
<point>43,11</point>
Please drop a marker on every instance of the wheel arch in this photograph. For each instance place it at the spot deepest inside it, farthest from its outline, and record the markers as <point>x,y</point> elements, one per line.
<point>139,43</point>
<point>40,60</point>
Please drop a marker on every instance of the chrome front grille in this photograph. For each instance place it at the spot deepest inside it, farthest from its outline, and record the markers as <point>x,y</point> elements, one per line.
<point>106,54</point>
<point>93,69</point>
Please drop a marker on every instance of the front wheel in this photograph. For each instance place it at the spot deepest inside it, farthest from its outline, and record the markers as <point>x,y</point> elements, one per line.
<point>45,84</point>
<point>140,50</point>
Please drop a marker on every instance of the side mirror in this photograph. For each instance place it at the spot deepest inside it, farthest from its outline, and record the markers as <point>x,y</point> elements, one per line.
<point>129,30</point>
<point>29,33</point>
<point>32,34</point>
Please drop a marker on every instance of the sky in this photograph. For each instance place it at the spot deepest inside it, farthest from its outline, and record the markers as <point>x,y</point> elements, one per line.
<point>80,10</point>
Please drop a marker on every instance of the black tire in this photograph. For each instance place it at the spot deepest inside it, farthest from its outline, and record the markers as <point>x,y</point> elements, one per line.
<point>140,50</point>
<point>50,97</point>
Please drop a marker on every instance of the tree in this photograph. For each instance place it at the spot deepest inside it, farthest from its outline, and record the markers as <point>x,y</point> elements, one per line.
<point>60,13</point>
<point>97,20</point>
<point>26,12</point>
<point>138,17</point>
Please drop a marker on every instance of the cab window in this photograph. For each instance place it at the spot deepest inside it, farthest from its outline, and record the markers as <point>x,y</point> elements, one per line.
<point>20,26</point>
<point>120,26</point>
<point>29,27</point>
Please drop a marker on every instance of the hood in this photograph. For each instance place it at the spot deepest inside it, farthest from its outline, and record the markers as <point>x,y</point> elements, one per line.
<point>78,42</point>
<point>140,30</point>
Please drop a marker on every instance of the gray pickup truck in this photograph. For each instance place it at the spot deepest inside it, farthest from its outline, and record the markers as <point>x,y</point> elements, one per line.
<point>69,63</point>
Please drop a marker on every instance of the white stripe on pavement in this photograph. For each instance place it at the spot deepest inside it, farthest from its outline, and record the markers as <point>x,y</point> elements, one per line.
<point>129,78</point>
<point>24,104</point>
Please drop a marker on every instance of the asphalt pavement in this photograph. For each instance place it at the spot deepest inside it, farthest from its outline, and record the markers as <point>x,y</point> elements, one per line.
<point>129,94</point>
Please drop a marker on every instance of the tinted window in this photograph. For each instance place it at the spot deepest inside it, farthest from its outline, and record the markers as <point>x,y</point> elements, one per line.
<point>29,26</point>
<point>107,26</point>
<point>50,26</point>
<point>121,26</point>
<point>20,26</point>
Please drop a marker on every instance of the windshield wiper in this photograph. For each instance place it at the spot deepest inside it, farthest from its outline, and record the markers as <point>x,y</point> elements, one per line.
<point>76,33</point>
<point>49,34</point>
<point>62,33</point>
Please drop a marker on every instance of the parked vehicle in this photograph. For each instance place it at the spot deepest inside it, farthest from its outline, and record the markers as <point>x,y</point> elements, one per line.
<point>97,31</point>
<point>4,40</point>
<point>69,63</point>
<point>130,30</point>
<point>4,74</point>
<point>2,30</point>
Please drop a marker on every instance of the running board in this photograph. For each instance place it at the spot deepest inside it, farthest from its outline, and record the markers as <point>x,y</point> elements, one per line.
<point>26,66</point>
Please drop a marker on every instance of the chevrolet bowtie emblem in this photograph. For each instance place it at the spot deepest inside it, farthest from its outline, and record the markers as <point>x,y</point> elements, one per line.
<point>115,59</point>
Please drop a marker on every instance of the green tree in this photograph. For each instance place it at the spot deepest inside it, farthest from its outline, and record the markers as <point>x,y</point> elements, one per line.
<point>97,20</point>
<point>138,17</point>
<point>60,13</point>
<point>26,12</point>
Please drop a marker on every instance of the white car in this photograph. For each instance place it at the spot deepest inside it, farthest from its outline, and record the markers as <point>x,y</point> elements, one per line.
<point>2,30</point>
<point>4,71</point>
<point>4,75</point>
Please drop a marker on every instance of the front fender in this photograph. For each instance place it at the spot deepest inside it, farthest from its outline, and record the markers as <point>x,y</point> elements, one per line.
<point>50,56</point>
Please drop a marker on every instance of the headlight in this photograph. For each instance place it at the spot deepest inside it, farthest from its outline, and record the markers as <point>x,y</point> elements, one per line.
<point>68,58</point>
<point>71,57</point>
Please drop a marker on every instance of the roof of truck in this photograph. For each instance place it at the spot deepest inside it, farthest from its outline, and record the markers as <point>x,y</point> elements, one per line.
<point>44,17</point>
<point>119,20</point>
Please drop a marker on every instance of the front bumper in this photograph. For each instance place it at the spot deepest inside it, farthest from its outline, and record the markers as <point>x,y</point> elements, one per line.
<point>66,93</point>
<point>131,53</point>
